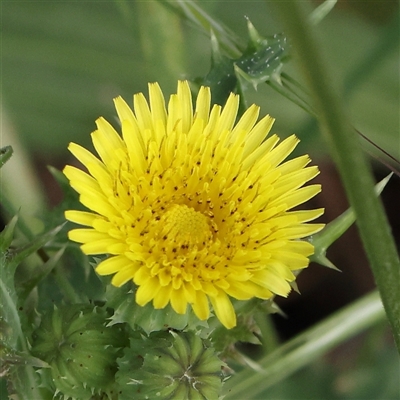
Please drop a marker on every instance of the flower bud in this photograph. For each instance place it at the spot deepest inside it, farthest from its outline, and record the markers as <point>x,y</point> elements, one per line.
<point>169,365</point>
<point>80,349</point>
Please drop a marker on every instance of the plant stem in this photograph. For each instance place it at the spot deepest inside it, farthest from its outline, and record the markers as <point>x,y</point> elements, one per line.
<point>351,162</point>
<point>65,285</point>
<point>306,347</point>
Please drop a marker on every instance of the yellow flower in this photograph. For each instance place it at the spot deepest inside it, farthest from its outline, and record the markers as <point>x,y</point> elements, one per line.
<point>191,206</point>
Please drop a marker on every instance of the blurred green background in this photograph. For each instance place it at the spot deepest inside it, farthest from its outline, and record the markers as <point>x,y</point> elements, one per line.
<point>62,62</point>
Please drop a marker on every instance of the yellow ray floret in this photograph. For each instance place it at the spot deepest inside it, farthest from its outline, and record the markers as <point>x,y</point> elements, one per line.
<point>192,206</point>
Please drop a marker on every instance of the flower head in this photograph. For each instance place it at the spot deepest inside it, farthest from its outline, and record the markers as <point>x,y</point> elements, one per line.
<point>192,207</point>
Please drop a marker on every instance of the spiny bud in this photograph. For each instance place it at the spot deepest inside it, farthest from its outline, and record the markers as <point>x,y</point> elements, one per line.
<point>80,349</point>
<point>169,365</point>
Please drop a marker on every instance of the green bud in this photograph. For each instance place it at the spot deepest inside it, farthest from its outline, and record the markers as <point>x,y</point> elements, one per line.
<point>169,365</point>
<point>81,350</point>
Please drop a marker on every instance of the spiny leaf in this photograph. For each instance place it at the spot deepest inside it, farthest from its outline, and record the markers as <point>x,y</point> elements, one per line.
<point>40,272</point>
<point>7,235</point>
<point>10,259</point>
<point>335,229</point>
<point>11,357</point>
<point>8,312</point>
<point>9,316</point>
<point>260,62</point>
<point>5,154</point>
<point>20,254</point>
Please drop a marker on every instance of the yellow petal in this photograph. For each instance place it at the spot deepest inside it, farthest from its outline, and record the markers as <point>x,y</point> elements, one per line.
<point>294,180</point>
<point>147,291</point>
<point>157,104</point>
<point>83,155</point>
<point>257,135</point>
<point>185,106</point>
<point>228,114</point>
<point>259,152</point>
<point>272,282</point>
<point>296,232</point>
<point>162,298</point>
<point>123,276</point>
<point>200,306</point>
<point>280,152</point>
<point>86,235</point>
<point>246,123</point>
<point>293,260</point>
<point>113,264</point>
<point>203,104</point>
<point>99,246</point>
<point>82,182</point>
<point>109,137</point>
<point>247,290</point>
<point>209,288</point>
<point>306,215</point>
<point>178,300</point>
<point>300,196</point>
<point>224,310</point>
<point>98,203</point>
<point>189,292</point>
<point>80,217</point>
<point>136,150</point>
<point>106,141</point>
<point>294,164</point>
<point>142,275</point>
<point>143,114</point>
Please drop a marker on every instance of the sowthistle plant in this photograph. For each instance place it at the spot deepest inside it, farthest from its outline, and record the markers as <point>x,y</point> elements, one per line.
<point>191,222</point>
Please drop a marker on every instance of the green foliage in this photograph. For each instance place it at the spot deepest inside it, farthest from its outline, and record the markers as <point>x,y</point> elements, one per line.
<point>77,57</point>
<point>335,229</point>
<point>17,362</point>
<point>5,154</point>
<point>261,62</point>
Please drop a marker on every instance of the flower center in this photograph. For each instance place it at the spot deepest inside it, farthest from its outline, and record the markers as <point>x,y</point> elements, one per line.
<point>186,226</point>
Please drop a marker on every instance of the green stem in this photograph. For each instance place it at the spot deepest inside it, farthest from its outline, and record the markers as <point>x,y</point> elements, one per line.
<point>269,336</point>
<point>306,347</point>
<point>351,162</point>
<point>65,285</point>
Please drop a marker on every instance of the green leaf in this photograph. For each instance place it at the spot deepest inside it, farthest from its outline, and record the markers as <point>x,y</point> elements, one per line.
<point>5,154</point>
<point>10,259</point>
<point>13,344</point>
<point>321,11</point>
<point>263,58</point>
<point>261,62</point>
<point>9,316</point>
<point>11,356</point>
<point>7,235</point>
<point>335,229</point>
<point>40,273</point>
<point>20,254</point>
<point>306,347</point>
